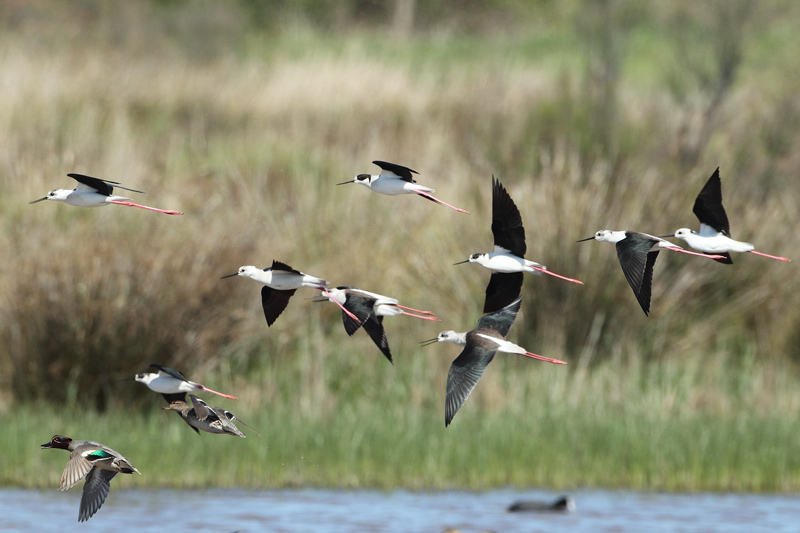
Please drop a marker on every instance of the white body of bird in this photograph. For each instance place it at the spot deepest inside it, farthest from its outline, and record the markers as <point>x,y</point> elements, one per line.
<point>282,280</point>
<point>713,242</point>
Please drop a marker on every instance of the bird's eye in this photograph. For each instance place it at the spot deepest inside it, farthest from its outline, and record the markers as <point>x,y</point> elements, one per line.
<point>140,376</point>
<point>475,256</point>
<point>51,193</point>
<point>598,234</point>
<point>362,177</point>
<point>241,270</point>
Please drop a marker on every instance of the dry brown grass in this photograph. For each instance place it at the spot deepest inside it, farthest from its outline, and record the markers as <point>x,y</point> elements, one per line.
<point>250,146</point>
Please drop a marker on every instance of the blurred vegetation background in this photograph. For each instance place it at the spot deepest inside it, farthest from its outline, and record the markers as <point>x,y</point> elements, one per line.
<point>594,114</point>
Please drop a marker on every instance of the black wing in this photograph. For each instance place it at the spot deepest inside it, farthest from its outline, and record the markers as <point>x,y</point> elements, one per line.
<point>274,302</point>
<point>708,205</point>
<point>277,265</point>
<point>404,173</point>
<point>506,221</point>
<point>104,187</point>
<point>637,262</point>
<point>101,186</point>
<point>374,328</point>
<point>361,306</point>
<point>501,320</point>
<point>464,374</point>
<point>170,371</point>
<point>502,290</point>
<point>95,491</point>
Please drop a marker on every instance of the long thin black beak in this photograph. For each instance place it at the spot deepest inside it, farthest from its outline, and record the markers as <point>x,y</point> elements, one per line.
<point>127,379</point>
<point>345,182</point>
<point>586,239</point>
<point>317,298</point>
<point>429,341</point>
<point>461,262</point>
<point>39,200</point>
<point>665,236</point>
<point>230,275</point>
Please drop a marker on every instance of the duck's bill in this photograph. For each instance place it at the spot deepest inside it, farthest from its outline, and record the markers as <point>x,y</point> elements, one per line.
<point>429,341</point>
<point>230,275</point>
<point>586,239</point>
<point>39,200</point>
<point>47,445</point>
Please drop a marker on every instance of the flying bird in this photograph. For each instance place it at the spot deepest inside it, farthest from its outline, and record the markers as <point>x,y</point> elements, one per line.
<point>397,179</point>
<point>369,309</point>
<point>637,258</point>
<point>94,461</point>
<point>205,418</point>
<point>506,261</point>
<point>715,232</point>
<point>280,283</point>
<point>480,345</point>
<point>172,384</point>
<point>95,192</point>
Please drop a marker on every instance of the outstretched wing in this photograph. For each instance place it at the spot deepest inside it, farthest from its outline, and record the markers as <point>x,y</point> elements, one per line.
<point>374,328</point>
<point>274,302</point>
<point>708,206</point>
<point>170,372</point>
<point>637,262</point>
<point>95,491</point>
<point>506,221</point>
<point>502,290</point>
<point>391,170</point>
<point>361,307</point>
<point>277,265</point>
<point>77,467</point>
<point>464,374</point>
<point>501,320</point>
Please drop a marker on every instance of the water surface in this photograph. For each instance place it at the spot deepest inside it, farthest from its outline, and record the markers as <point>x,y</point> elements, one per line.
<point>320,511</point>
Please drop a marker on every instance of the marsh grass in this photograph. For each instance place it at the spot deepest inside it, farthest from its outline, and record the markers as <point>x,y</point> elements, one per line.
<point>249,138</point>
<point>636,426</point>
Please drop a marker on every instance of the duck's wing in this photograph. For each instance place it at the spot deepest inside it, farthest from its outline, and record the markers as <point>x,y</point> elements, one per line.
<point>95,491</point>
<point>201,408</point>
<point>77,468</point>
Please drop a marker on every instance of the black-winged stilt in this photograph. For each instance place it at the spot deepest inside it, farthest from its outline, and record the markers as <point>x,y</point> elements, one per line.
<point>507,261</point>
<point>396,179</point>
<point>715,234</point>
<point>280,283</point>
<point>170,382</point>
<point>480,345</point>
<point>370,308</point>
<point>94,192</point>
<point>637,257</point>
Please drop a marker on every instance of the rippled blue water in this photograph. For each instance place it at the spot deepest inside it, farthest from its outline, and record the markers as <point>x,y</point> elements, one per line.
<point>322,511</point>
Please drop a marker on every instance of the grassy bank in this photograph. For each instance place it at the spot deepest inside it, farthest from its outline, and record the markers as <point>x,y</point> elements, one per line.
<point>247,127</point>
<point>699,426</point>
